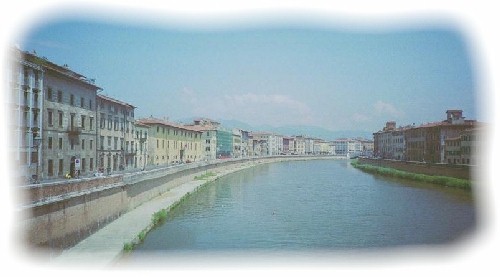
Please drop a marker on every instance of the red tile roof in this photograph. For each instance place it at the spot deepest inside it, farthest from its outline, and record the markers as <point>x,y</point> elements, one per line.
<point>152,121</point>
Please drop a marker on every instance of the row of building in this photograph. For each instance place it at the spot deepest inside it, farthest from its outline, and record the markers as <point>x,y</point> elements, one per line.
<point>454,140</point>
<point>63,125</point>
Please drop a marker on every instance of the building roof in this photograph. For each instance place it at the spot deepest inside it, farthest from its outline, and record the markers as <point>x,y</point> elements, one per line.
<point>445,123</point>
<point>63,70</point>
<point>138,123</point>
<point>107,98</point>
<point>157,121</point>
<point>264,133</point>
<point>201,128</point>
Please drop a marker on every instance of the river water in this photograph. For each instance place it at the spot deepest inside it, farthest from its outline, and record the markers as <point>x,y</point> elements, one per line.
<point>312,205</point>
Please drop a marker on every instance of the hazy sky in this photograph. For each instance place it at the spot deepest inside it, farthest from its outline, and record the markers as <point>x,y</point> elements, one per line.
<point>283,73</point>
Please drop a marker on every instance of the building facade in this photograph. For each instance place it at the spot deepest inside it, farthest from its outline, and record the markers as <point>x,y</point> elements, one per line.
<point>62,105</point>
<point>260,144</point>
<point>24,106</point>
<point>141,142</point>
<point>390,143</point>
<point>426,143</point>
<point>224,148</point>
<point>245,143</point>
<point>236,143</point>
<point>116,135</point>
<point>287,145</point>
<point>299,145</point>
<point>435,142</point>
<point>171,143</point>
<point>466,148</point>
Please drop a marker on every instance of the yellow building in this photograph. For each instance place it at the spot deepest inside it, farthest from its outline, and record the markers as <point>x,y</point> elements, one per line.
<point>171,143</point>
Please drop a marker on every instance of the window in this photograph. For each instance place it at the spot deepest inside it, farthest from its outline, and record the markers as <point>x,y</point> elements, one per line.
<point>83,144</point>
<point>102,122</point>
<point>60,114</point>
<point>91,145</point>
<point>49,117</point>
<point>116,144</point>
<point>91,164</point>
<point>61,164</point>
<point>83,121</point>
<point>110,122</point>
<point>83,164</point>
<point>72,121</point>
<point>72,100</point>
<point>60,143</point>
<point>109,142</point>
<point>72,143</point>
<point>59,96</point>
<point>35,118</point>
<point>101,140</point>
<point>82,101</point>
<point>49,94</point>
<point>50,171</point>
<point>90,104</point>
<point>49,144</point>
<point>91,123</point>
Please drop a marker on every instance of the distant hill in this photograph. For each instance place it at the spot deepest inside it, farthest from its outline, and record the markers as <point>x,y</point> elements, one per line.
<point>312,131</point>
<point>291,130</point>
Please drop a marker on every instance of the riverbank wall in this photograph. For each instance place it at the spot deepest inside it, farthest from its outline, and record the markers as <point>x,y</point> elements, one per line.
<point>448,170</point>
<point>58,215</point>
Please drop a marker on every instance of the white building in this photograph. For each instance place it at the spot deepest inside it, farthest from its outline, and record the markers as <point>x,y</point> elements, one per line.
<point>308,146</point>
<point>347,146</point>
<point>299,145</point>
<point>24,102</point>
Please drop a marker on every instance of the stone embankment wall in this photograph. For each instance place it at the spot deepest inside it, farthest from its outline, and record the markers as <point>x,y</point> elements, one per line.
<point>455,171</point>
<point>61,214</point>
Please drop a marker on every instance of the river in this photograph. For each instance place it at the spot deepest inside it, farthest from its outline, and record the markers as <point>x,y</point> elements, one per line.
<point>311,205</point>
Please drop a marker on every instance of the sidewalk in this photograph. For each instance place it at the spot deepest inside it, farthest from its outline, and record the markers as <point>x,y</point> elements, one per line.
<point>105,246</point>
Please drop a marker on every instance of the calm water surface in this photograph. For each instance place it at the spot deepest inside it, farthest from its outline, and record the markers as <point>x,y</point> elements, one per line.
<point>312,205</point>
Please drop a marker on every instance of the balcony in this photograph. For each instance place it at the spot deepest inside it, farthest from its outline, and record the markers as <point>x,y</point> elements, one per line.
<point>130,153</point>
<point>74,131</point>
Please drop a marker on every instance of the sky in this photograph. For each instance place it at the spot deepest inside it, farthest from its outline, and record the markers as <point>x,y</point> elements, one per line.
<point>431,71</point>
<point>278,73</point>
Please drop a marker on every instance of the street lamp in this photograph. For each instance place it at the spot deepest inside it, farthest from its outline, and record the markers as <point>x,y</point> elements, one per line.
<point>109,163</point>
<point>36,144</point>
